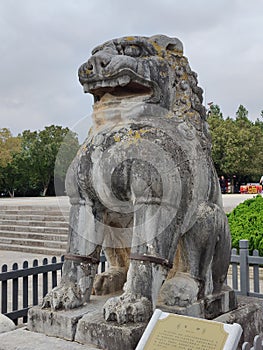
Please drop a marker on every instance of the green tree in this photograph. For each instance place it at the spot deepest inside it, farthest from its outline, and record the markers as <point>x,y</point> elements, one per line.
<point>41,149</point>
<point>10,147</point>
<point>237,144</point>
<point>242,114</point>
<point>217,130</point>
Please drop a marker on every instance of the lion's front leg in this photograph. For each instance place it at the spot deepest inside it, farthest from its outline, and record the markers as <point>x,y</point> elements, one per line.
<point>71,292</point>
<point>147,271</point>
<point>81,260</point>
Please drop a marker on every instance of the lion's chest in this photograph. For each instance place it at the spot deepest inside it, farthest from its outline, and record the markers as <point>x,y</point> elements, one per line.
<point>137,160</point>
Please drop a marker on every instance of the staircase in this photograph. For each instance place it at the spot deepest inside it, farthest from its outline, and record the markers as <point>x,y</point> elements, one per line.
<point>37,229</point>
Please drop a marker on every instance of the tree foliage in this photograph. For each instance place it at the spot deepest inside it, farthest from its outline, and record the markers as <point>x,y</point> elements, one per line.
<point>29,169</point>
<point>246,222</point>
<point>10,147</point>
<point>237,144</point>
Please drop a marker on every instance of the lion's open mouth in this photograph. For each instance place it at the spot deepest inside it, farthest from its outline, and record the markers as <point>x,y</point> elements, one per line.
<point>132,89</point>
<point>99,89</point>
<point>125,84</point>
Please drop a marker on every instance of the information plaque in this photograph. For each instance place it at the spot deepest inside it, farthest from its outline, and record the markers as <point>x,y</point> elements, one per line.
<point>175,332</point>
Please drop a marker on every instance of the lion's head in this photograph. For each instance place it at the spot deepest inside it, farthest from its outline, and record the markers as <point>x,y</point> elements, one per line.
<point>153,67</point>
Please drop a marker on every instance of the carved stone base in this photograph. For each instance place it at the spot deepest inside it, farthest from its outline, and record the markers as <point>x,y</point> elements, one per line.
<point>63,323</point>
<point>86,325</point>
<point>209,308</point>
<point>93,329</point>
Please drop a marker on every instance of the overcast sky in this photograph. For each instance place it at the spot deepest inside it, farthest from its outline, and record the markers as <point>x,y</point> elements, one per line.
<point>43,42</point>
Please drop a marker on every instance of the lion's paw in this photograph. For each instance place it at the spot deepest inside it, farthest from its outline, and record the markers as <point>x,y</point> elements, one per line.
<point>110,281</point>
<point>63,297</point>
<point>181,290</point>
<point>127,308</point>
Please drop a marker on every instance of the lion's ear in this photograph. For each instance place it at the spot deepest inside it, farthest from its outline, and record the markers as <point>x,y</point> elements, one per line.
<point>173,47</point>
<point>169,44</point>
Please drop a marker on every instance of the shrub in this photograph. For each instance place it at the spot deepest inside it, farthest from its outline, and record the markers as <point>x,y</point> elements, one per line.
<point>246,222</point>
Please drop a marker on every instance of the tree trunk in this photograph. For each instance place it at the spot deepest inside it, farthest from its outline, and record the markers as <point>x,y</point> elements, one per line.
<point>11,193</point>
<point>44,190</point>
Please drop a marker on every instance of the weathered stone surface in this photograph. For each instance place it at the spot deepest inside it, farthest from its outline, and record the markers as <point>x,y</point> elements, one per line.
<point>143,185</point>
<point>21,339</point>
<point>220,303</point>
<point>209,307</point>
<point>86,325</point>
<point>249,314</point>
<point>6,324</point>
<point>93,329</point>
<point>95,332</point>
<point>62,323</point>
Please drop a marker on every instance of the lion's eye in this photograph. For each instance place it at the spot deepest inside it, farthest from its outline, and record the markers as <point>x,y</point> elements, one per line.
<point>132,50</point>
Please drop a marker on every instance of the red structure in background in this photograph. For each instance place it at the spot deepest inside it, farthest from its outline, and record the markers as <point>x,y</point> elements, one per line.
<point>251,188</point>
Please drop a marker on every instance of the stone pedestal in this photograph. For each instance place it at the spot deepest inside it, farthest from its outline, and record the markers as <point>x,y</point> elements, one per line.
<point>93,329</point>
<point>61,324</point>
<point>209,308</point>
<point>86,325</point>
<point>249,314</point>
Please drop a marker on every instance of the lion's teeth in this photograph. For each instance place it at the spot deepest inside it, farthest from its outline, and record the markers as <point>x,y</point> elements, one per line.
<point>124,80</point>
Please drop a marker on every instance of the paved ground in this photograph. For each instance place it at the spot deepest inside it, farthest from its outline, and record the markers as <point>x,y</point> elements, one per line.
<point>230,201</point>
<point>62,201</point>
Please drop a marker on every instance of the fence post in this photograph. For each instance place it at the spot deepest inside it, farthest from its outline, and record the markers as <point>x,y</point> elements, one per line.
<point>35,284</point>
<point>234,271</point>
<point>256,273</point>
<point>4,292</point>
<point>244,267</point>
<point>15,291</point>
<point>25,290</point>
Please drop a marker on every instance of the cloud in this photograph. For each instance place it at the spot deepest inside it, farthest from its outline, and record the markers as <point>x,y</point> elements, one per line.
<point>42,44</point>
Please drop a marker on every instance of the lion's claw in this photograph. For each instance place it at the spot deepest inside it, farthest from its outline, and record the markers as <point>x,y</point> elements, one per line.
<point>63,297</point>
<point>127,308</point>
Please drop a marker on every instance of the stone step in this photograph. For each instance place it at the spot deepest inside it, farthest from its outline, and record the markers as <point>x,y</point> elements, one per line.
<point>35,211</point>
<point>33,217</point>
<point>33,250</point>
<point>52,244</point>
<point>35,207</point>
<point>36,229</point>
<point>34,235</point>
<point>4,222</point>
<point>42,229</point>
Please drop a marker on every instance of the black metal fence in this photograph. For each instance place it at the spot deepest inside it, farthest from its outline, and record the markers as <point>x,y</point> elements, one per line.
<point>22,288</point>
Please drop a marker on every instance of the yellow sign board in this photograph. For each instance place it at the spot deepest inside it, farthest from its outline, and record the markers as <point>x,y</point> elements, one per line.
<point>184,333</point>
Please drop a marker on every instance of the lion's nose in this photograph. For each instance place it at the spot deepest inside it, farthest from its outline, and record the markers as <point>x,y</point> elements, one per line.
<point>98,62</point>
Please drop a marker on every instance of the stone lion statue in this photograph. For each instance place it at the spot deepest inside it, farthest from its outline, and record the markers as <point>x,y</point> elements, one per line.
<point>143,186</point>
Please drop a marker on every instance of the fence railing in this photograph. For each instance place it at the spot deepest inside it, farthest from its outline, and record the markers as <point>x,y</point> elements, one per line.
<point>246,270</point>
<point>22,288</point>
